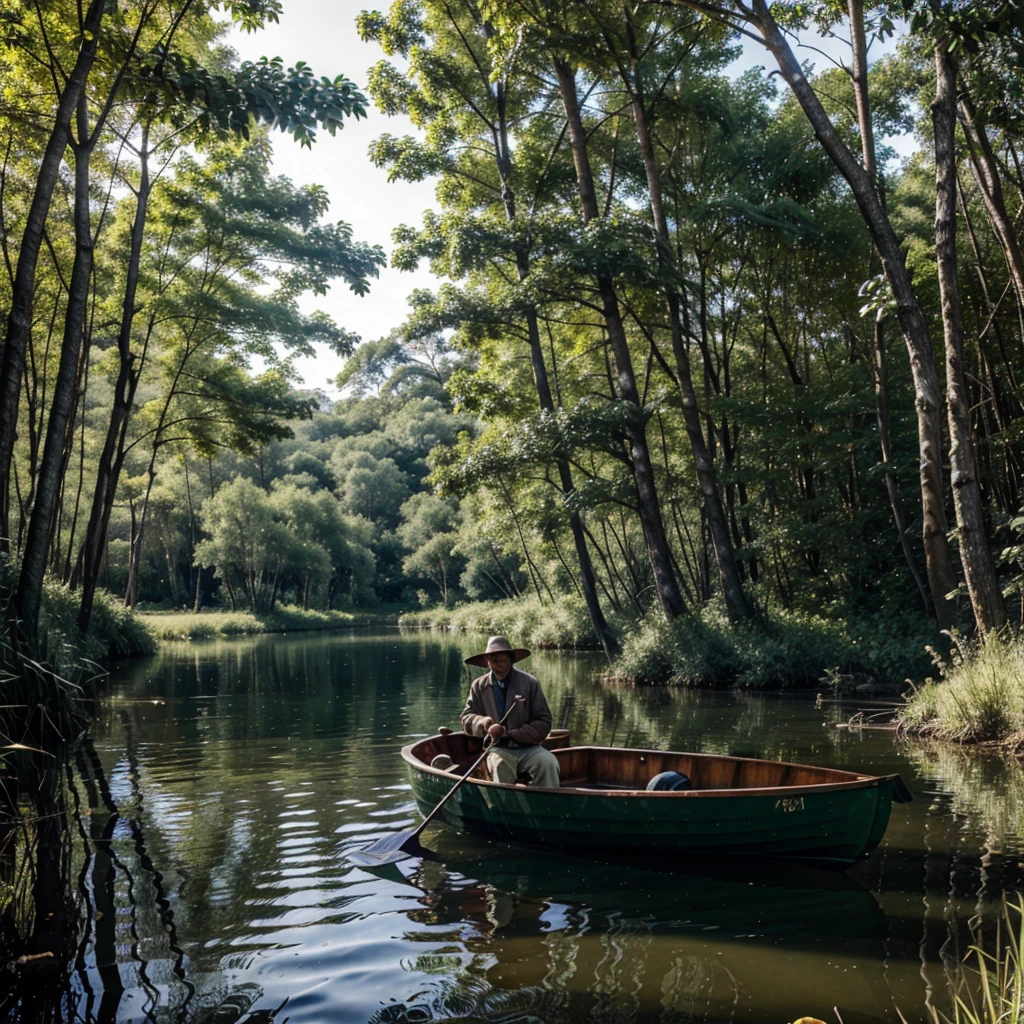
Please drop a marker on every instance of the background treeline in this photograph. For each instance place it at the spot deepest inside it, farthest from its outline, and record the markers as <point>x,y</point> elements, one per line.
<point>152,271</point>
<point>683,388</point>
<point>741,373</point>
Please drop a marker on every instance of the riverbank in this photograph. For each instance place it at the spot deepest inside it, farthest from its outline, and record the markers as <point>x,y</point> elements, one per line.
<point>215,622</point>
<point>978,697</point>
<point>115,632</point>
<point>774,651</point>
<point>554,625</point>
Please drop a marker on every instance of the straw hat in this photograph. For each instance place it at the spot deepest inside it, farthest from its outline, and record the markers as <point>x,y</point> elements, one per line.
<point>498,645</point>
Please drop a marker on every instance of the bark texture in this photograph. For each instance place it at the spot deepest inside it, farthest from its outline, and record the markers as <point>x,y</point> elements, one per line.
<point>729,579</point>
<point>975,553</point>
<point>19,317</point>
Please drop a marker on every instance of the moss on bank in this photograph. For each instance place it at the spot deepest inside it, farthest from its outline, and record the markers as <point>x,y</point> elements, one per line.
<point>979,697</point>
<point>284,619</point>
<point>776,651</point>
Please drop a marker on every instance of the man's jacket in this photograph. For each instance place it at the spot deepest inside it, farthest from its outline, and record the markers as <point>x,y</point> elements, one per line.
<point>530,720</point>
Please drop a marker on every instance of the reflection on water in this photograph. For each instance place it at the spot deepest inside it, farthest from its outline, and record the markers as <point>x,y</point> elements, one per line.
<point>230,779</point>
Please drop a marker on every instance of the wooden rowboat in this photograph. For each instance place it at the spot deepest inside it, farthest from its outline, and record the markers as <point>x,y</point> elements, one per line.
<point>738,806</point>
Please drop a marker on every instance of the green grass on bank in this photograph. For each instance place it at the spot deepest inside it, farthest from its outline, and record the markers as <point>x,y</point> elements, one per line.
<point>554,624</point>
<point>283,619</point>
<point>776,651</point>
<point>980,697</point>
<point>114,631</point>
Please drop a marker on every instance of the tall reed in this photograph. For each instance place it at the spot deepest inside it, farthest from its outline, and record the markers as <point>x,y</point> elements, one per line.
<point>989,987</point>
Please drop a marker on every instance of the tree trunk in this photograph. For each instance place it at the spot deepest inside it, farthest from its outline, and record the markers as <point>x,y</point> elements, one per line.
<point>979,568</point>
<point>725,556</point>
<point>658,552</point>
<point>859,47</point>
<point>588,581</point>
<point>111,458</point>
<point>986,173</point>
<point>131,594</point>
<point>927,394</point>
<point>19,318</point>
<point>881,375</point>
<point>37,543</point>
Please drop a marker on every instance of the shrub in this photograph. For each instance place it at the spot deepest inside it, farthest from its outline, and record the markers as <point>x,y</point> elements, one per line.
<point>114,631</point>
<point>784,649</point>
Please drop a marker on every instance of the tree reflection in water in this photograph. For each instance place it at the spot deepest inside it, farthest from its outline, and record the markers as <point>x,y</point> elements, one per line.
<point>210,833</point>
<point>640,945</point>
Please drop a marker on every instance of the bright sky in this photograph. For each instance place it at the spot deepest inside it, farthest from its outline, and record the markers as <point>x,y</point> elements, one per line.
<point>323,34</point>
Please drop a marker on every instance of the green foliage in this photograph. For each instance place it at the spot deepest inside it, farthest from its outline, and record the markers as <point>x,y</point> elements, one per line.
<point>783,650</point>
<point>562,623</point>
<point>213,623</point>
<point>978,696</point>
<point>76,660</point>
<point>989,989</point>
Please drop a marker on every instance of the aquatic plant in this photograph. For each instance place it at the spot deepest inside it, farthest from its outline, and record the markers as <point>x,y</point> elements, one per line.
<point>979,695</point>
<point>989,988</point>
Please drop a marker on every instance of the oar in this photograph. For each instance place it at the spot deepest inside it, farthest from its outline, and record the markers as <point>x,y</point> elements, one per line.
<point>394,848</point>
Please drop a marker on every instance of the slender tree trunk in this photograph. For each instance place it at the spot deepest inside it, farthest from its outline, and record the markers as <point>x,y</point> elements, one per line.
<point>979,568</point>
<point>927,394</point>
<point>588,582</point>
<point>658,552</point>
<point>37,542</point>
<point>859,47</point>
<point>19,318</point>
<point>986,173</point>
<point>881,375</point>
<point>131,594</point>
<point>66,572</point>
<point>725,556</point>
<point>111,457</point>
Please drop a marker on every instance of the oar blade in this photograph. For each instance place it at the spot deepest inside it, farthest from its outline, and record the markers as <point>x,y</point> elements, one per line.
<point>389,850</point>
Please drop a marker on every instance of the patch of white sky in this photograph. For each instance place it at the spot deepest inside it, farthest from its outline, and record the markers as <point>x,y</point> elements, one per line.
<point>323,34</point>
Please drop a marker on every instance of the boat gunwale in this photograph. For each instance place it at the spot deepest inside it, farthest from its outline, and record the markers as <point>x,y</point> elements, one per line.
<point>854,781</point>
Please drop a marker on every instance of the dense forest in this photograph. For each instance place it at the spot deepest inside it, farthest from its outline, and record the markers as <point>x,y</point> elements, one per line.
<point>717,377</point>
<point>685,366</point>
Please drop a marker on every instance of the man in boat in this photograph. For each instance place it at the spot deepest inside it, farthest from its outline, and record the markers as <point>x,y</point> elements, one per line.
<point>516,746</point>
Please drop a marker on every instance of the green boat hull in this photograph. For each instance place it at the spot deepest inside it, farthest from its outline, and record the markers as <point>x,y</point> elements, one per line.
<point>831,826</point>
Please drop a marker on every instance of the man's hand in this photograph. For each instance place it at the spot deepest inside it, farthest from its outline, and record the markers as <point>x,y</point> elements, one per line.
<point>485,724</point>
<point>496,731</point>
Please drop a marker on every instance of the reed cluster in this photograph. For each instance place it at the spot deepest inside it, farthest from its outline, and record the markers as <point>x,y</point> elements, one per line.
<point>989,987</point>
<point>978,697</point>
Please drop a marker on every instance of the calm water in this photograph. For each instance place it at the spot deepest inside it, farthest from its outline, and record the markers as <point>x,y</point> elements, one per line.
<point>244,770</point>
